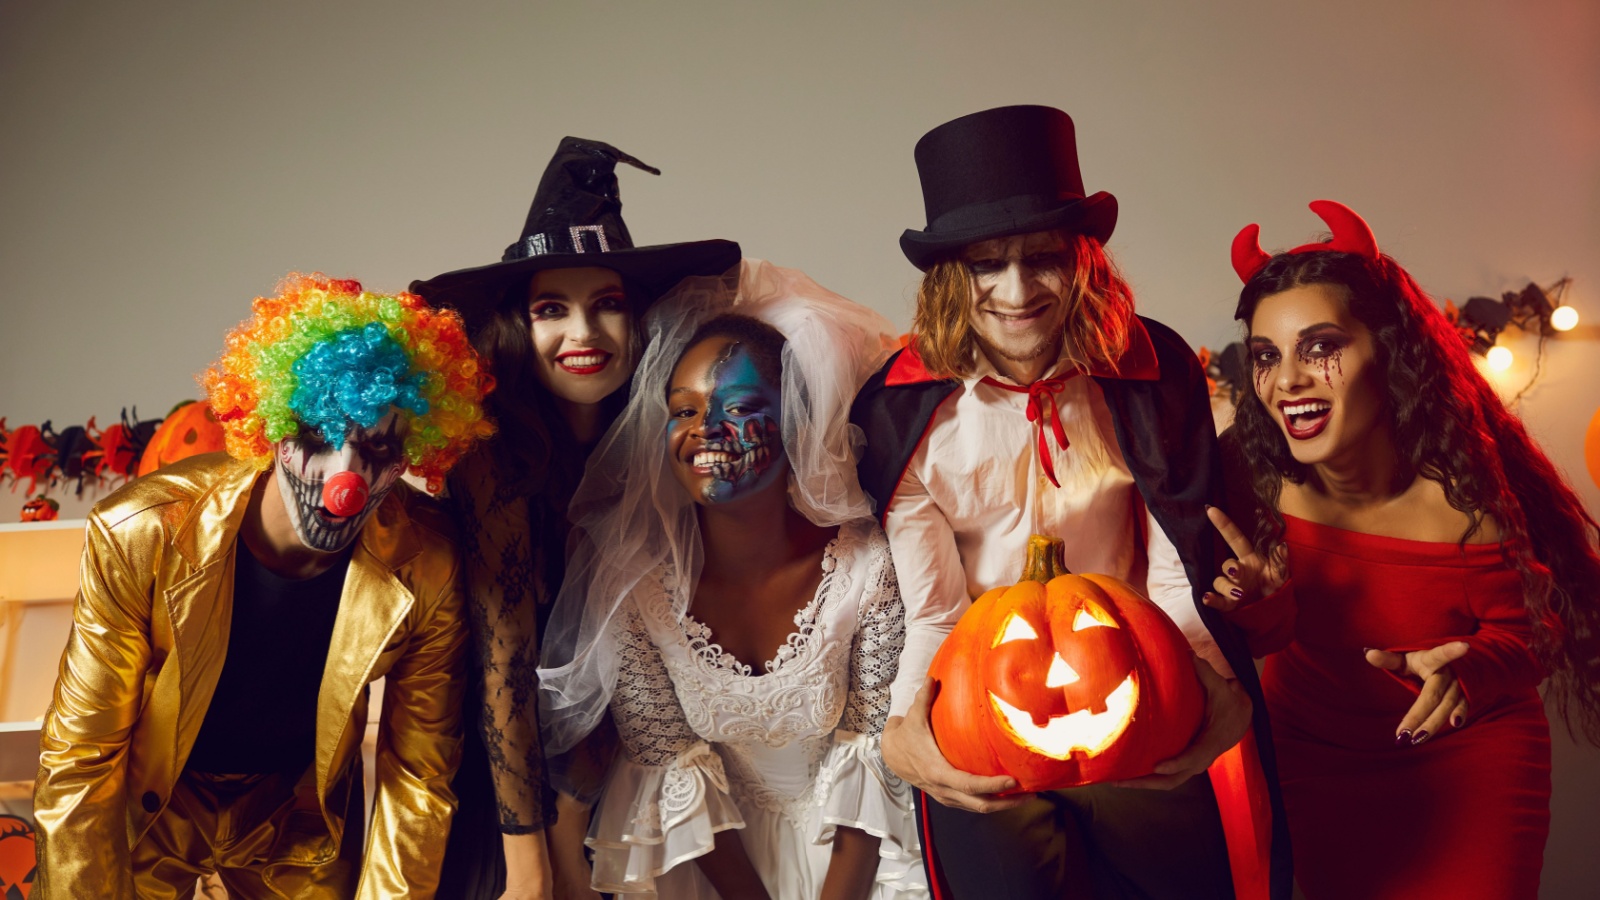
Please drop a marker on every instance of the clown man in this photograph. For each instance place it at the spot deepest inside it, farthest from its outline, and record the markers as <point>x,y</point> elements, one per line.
<point>233,609</point>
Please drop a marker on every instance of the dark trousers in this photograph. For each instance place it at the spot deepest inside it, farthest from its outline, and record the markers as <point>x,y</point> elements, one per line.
<point>1099,842</point>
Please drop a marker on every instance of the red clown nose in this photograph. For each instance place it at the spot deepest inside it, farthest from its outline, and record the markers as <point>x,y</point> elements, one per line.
<point>345,494</point>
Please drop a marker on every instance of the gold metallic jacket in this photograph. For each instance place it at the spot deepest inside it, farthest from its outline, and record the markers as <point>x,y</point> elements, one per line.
<point>150,633</point>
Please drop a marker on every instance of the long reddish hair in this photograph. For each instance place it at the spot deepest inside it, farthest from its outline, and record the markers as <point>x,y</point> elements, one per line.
<point>1099,317</point>
<point>1450,426</point>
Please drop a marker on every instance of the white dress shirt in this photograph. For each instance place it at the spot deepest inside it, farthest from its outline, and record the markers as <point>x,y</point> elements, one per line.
<point>975,490</point>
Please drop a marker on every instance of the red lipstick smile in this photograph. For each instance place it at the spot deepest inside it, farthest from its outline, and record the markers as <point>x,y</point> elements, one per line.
<point>583,362</point>
<point>1305,419</point>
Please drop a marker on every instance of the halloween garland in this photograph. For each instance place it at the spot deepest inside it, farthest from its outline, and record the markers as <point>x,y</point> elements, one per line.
<point>79,455</point>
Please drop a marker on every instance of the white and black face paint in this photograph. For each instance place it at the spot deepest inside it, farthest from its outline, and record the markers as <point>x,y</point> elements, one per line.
<point>324,488</point>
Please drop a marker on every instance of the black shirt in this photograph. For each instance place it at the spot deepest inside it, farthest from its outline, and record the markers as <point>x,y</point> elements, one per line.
<point>263,716</point>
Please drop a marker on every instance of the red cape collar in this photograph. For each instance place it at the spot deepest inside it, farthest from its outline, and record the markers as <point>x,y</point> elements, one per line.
<point>1137,363</point>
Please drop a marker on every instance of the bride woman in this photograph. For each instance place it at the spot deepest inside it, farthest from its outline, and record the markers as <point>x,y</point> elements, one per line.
<point>734,606</point>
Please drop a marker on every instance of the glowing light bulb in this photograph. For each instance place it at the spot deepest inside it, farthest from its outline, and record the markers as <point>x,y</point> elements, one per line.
<point>1564,318</point>
<point>1499,358</point>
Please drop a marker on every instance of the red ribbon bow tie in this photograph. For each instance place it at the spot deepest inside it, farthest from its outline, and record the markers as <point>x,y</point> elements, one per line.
<point>1041,396</point>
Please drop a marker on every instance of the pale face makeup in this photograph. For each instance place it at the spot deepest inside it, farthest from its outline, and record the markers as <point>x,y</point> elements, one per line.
<point>723,439</point>
<point>582,331</point>
<point>1019,288</point>
<point>306,463</point>
<point>1315,370</point>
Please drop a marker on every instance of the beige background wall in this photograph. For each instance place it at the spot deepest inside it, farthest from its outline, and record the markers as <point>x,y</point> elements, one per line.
<point>161,163</point>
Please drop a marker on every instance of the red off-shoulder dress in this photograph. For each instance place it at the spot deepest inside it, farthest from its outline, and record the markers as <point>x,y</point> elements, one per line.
<point>1464,814</point>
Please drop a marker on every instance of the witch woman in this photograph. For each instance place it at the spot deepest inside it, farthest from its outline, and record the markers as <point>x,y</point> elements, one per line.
<point>557,323</point>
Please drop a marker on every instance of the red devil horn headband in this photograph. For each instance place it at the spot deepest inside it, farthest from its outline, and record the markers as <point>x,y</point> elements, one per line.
<point>1351,234</point>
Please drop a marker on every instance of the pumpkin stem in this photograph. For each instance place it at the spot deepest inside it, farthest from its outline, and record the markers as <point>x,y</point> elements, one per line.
<point>1045,560</point>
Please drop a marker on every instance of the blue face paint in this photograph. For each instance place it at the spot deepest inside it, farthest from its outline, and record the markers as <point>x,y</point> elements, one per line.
<point>724,418</point>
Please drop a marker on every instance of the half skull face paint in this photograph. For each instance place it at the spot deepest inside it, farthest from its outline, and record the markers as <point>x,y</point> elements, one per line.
<point>330,493</point>
<point>723,438</point>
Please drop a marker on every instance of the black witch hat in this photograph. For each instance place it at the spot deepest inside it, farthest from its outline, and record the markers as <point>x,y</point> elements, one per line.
<point>1000,172</point>
<point>576,220</point>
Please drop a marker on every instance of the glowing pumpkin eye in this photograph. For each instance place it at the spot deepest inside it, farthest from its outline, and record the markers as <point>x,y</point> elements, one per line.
<point>1092,617</point>
<point>1060,674</point>
<point>1016,629</point>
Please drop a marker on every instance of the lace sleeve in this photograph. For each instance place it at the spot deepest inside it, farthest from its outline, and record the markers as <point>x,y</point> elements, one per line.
<point>644,706</point>
<point>501,585</point>
<point>880,637</point>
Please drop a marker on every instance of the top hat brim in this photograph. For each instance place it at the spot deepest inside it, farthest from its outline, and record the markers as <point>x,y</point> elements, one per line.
<point>1094,216</point>
<point>655,269</point>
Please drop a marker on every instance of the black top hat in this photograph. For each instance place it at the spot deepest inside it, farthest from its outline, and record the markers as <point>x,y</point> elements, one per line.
<point>576,220</point>
<point>1000,172</point>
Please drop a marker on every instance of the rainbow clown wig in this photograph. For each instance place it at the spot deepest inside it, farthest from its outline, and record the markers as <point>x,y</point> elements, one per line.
<point>324,354</point>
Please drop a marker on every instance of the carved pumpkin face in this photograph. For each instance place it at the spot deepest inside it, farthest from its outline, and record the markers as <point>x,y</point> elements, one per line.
<point>1070,682</point>
<point>1061,678</point>
<point>189,430</point>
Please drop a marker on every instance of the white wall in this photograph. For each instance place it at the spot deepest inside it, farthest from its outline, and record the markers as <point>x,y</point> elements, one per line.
<point>160,164</point>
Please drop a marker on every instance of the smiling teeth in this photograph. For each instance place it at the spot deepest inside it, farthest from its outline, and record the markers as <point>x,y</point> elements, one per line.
<point>1300,409</point>
<point>579,362</point>
<point>712,457</point>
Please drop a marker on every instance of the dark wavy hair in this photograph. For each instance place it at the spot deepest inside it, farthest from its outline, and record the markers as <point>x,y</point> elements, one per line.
<point>1450,427</point>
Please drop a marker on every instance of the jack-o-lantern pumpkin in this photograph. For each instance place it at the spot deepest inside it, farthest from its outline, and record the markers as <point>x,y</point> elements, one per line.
<point>1062,680</point>
<point>40,509</point>
<point>189,430</point>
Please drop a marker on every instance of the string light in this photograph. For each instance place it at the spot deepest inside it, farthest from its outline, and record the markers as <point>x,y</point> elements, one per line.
<point>1499,358</point>
<point>1563,318</point>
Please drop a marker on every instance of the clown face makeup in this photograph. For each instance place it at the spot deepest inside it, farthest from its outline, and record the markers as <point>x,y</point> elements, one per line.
<point>1019,290</point>
<point>330,493</point>
<point>1316,371</point>
<point>582,330</point>
<point>723,439</point>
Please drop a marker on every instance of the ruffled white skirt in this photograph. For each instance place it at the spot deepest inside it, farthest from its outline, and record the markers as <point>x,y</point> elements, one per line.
<point>653,821</point>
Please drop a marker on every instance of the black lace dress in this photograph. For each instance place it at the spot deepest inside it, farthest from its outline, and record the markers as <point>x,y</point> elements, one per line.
<point>513,546</point>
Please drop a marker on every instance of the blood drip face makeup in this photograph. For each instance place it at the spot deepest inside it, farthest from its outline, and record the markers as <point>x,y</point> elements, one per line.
<point>723,438</point>
<point>330,493</point>
<point>1315,369</point>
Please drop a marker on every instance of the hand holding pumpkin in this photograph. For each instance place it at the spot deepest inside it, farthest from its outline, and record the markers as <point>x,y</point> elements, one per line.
<point>1227,718</point>
<point>1063,680</point>
<point>1441,700</point>
<point>1247,577</point>
<point>910,751</point>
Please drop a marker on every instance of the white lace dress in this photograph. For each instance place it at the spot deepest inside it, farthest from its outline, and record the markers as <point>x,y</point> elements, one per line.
<point>787,755</point>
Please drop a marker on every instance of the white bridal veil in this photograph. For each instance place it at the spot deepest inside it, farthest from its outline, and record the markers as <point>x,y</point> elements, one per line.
<point>630,516</point>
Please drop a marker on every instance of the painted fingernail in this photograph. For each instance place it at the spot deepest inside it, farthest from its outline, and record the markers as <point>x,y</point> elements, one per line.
<point>1421,736</point>
<point>1456,720</point>
<point>1235,593</point>
<point>1366,650</point>
<point>1212,595</point>
<point>1402,737</point>
<point>1233,571</point>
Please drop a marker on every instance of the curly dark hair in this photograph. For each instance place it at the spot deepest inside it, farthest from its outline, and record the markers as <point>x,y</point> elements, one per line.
<point>1450,427</point>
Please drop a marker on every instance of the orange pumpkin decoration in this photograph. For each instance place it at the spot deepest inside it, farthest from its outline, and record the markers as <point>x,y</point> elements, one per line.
<point>189,430</point>
<point>1063,680</point>
<point>17,857</point>
<point>40,509</point>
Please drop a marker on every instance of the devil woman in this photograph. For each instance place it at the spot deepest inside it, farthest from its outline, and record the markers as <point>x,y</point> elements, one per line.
<point>1415,567</point>
<point>556,321</point>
